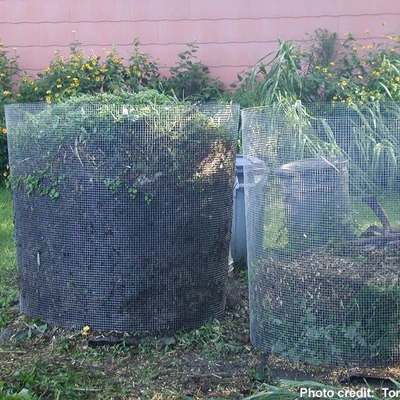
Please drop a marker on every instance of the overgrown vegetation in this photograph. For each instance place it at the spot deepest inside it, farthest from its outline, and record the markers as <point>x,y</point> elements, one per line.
<point>216,360</point>
<point>320,69</point>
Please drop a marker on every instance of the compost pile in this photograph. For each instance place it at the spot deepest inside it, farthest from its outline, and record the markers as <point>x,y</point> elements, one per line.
<point>337,305</point>
<point>139,201</point>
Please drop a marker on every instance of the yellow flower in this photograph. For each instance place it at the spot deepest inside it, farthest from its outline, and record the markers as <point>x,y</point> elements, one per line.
<point>344,83</point>
<point>6,93</point>
<point>4,130</point>
<point>5,173</point>
<point>86,330</point>
<point>48,91</point>
<point>332,63</point>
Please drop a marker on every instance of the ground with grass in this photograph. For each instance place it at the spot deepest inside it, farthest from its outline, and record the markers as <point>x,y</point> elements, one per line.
<point>215,361</point>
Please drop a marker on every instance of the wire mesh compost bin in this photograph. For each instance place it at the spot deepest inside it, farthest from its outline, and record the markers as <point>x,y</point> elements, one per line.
<point>122,212</point>
<point>323,248</point>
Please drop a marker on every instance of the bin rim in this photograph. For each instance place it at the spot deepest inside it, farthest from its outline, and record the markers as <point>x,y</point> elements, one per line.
<point>306,165</point>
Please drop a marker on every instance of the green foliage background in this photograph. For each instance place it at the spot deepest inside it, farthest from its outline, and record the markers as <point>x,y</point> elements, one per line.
<point>319,69</point>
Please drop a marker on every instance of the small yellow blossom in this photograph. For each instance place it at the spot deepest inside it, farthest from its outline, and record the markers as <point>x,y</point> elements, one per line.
<point>86,330</point>
<point>5,174</point>
<point>4,130</point>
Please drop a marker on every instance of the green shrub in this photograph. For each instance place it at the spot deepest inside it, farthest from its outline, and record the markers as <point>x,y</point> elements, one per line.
<point>141,71</point>
<point>9,70</point>
<point>323,70</point>
<point>68,76</point>
<point>191,79</point>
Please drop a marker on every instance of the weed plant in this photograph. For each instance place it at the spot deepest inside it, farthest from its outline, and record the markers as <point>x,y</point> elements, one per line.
<point>8,287</point>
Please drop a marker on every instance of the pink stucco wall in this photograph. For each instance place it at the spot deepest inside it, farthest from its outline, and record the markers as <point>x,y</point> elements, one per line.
<point>232,34</point>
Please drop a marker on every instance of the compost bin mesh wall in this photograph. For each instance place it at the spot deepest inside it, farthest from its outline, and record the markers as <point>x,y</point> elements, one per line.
<point>122,213</point>
<point>323,232</point>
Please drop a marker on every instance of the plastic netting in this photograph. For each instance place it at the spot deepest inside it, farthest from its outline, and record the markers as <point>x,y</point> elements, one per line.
<point>122,212</point>
<point>323,231</point>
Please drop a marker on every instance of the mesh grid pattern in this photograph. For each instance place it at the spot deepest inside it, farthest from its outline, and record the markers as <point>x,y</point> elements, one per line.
<point>122,213</point>
<point>322,218</point>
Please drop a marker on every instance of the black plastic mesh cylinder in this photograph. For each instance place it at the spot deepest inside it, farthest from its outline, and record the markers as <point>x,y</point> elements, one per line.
<point>122,213</point>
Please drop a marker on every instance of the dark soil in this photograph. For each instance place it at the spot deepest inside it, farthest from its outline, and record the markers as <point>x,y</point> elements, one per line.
<point>137,238</point>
